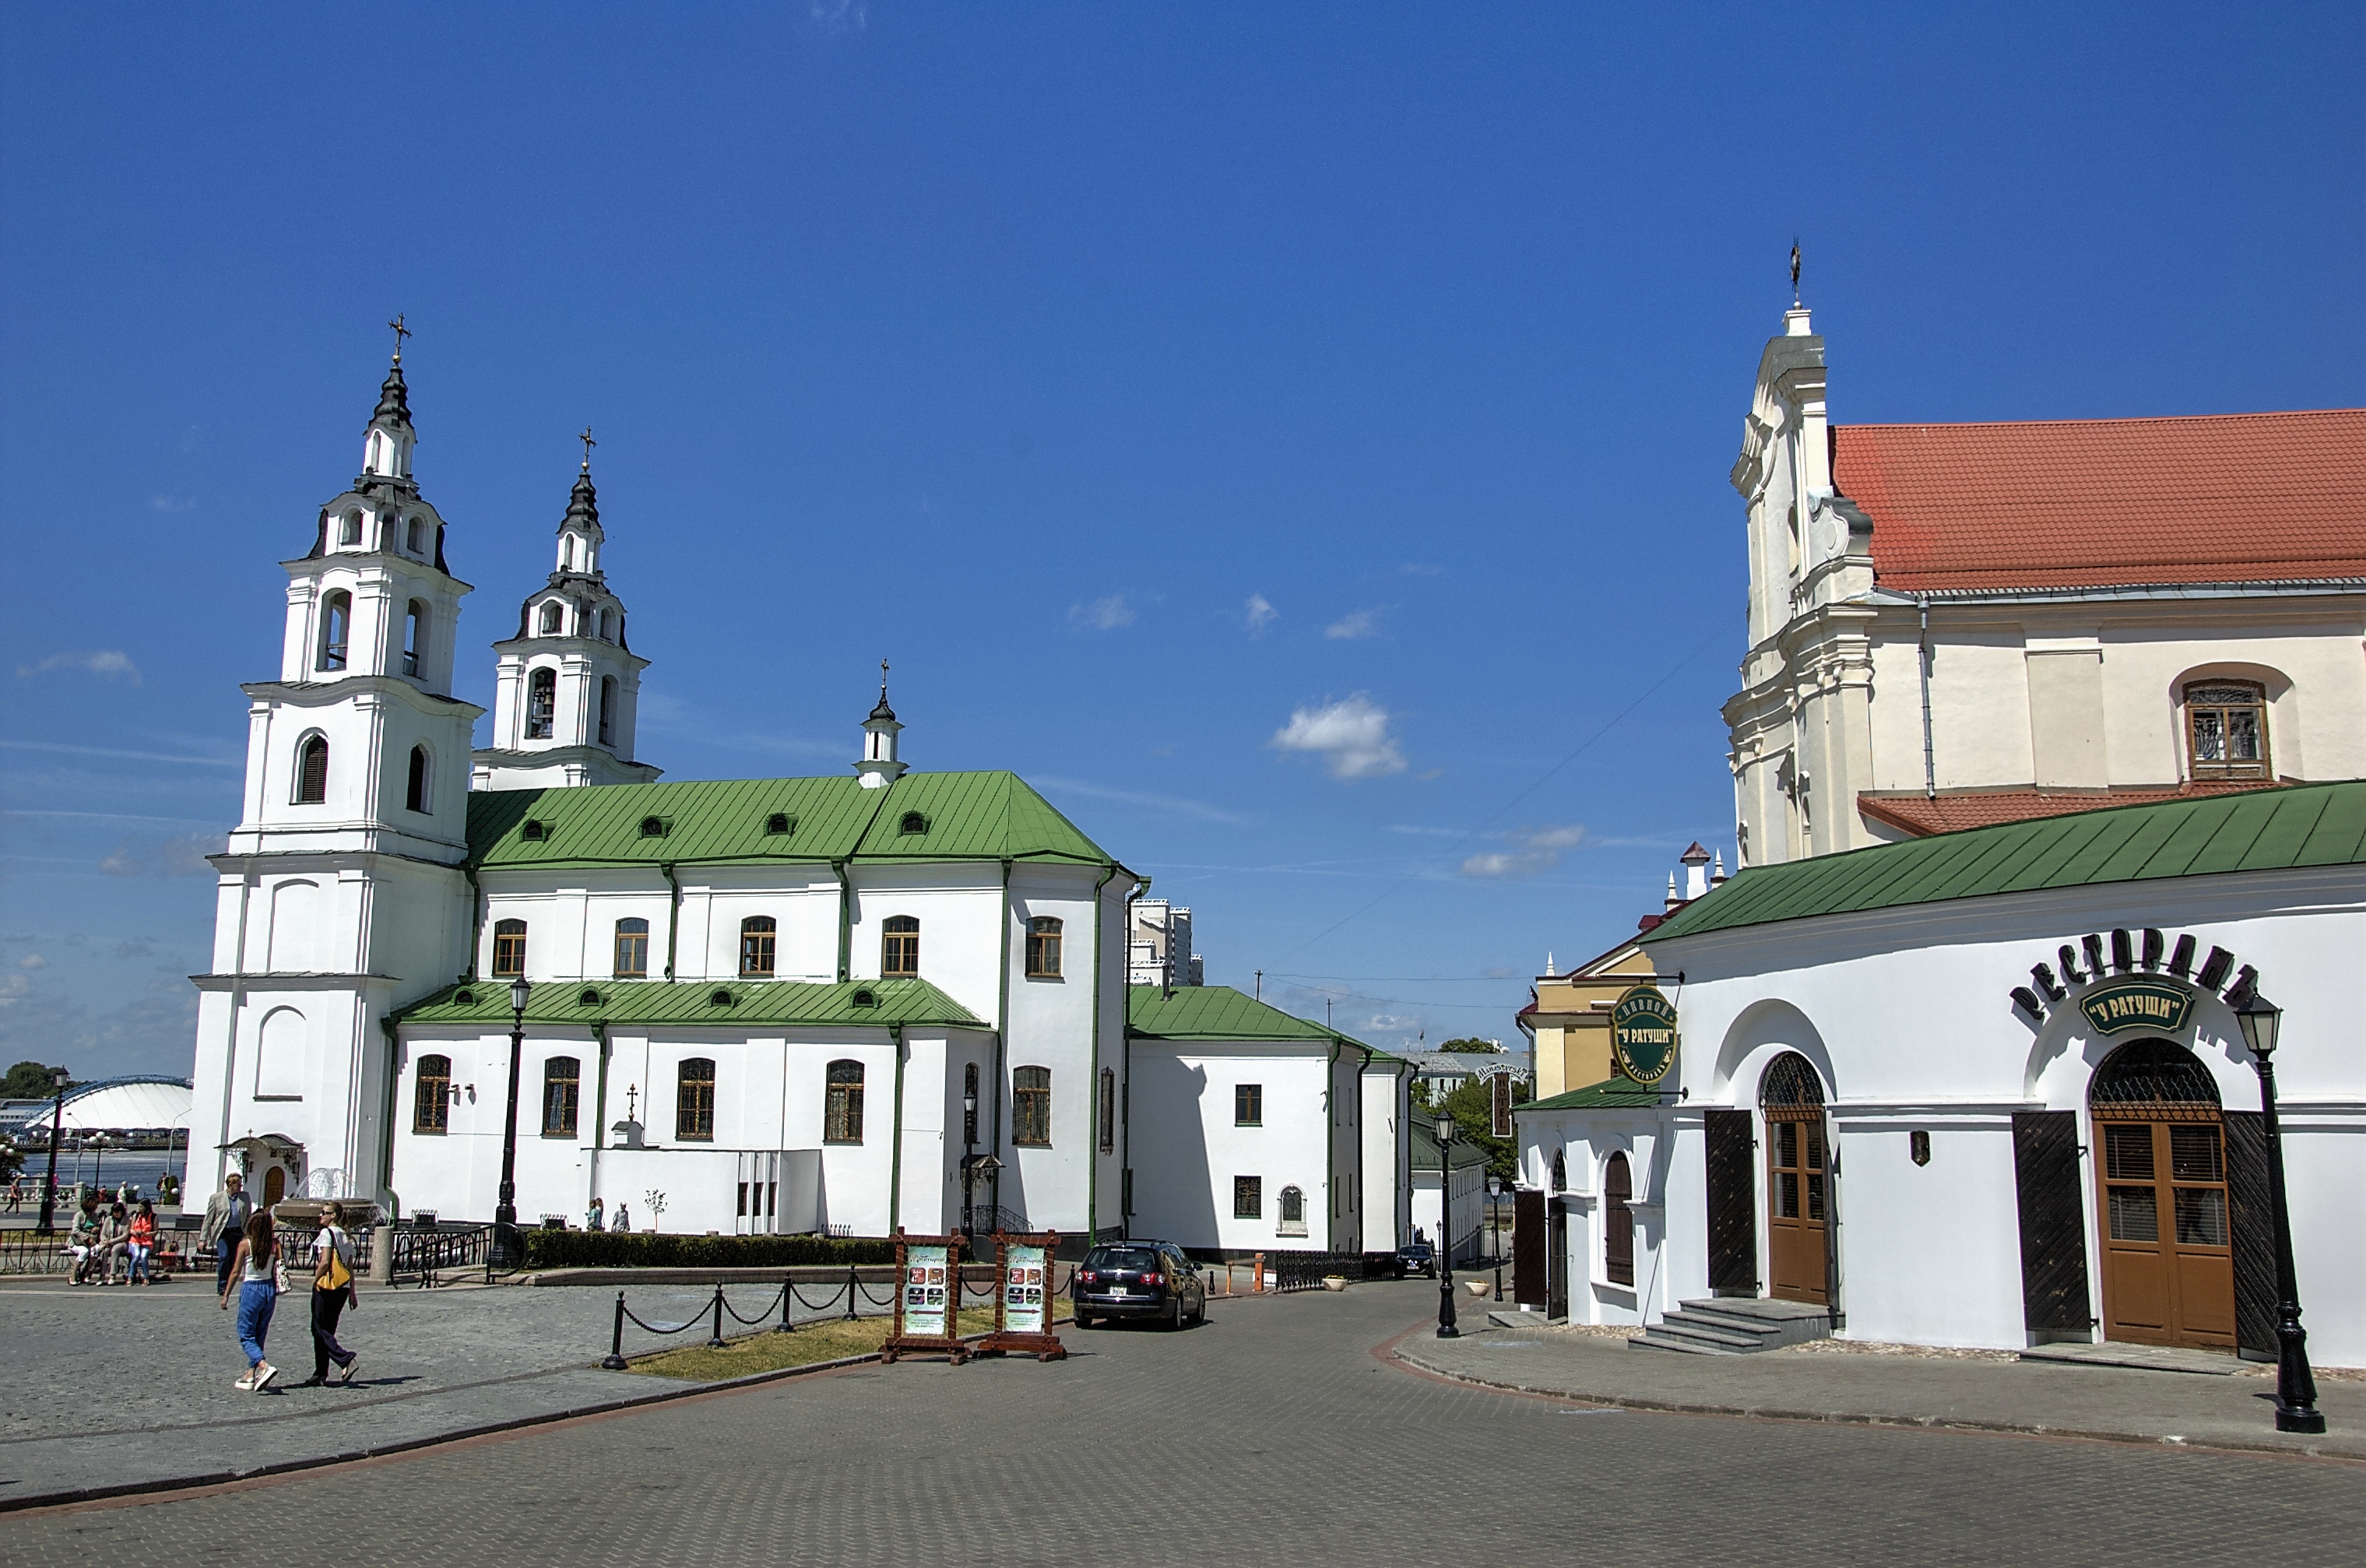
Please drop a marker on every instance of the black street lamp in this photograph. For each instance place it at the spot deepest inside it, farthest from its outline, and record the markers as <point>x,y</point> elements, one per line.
<point>969,1161</point>
<point>1446,1130</point>
<point>58,1077</point>
<point>1495,1232</point>
<point>2296,1408</point>
<point>505,1210</point>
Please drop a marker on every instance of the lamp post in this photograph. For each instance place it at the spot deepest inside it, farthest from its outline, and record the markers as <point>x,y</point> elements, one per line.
<point>2296,1408</point>
<point>1495,1233</point>
<point>1446,1130</point>
<point>505,1210</point>
<point>969,1161</point>
<point>59,1078</point>
<point>98,1161</point>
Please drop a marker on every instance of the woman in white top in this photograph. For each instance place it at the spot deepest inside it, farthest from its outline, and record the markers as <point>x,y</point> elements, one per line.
<point>332,1292</point>
<point>257,1268</point>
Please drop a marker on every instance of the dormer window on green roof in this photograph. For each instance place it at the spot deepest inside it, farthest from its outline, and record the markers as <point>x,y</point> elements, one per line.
<point>914,823</point>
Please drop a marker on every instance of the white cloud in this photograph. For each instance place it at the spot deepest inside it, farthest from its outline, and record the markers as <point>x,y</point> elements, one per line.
<point>1103,614</point>
<point>1534,850</point>
<point>1351,736</point>
<point>839,15</point>
<point>1361,623</point>
<point>32,961</point>
<point>109,662</point>
<point>1260,615</point>
<point>182,856</point>
<point>167,503</point>
<point>1174,805</point>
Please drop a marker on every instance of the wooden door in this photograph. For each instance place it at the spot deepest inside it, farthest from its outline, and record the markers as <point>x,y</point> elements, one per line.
<point>1797,1202</point>
<point>275,1186</point>
<point>2168,1265</point>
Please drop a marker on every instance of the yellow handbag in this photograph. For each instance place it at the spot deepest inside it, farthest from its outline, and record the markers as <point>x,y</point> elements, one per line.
<point>333,1274</point>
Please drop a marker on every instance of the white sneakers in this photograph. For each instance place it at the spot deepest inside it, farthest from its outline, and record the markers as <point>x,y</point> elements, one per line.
<point>262,1375</point>
<point>245,1384</point>
<point>347,1375</point>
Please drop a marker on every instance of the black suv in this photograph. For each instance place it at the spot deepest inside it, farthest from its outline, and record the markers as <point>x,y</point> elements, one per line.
<point>1139,1279</point>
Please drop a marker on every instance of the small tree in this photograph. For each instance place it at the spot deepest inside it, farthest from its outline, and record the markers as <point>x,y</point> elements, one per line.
<point>656,1201</point>
<point>30,1080</point>
<point>1473,1045</point>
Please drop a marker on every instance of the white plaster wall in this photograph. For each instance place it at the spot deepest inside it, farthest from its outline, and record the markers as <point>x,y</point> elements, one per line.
<point>1385,1140</point>
<point>1187,1148</point>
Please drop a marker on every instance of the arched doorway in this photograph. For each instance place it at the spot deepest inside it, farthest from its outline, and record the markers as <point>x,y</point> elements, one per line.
<point>2161,1201</point>
<point>275,1185</point>
<point>1799,1182</point>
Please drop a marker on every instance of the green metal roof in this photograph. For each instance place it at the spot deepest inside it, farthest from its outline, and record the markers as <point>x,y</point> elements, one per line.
<point>786,1003</point>
<point>1467,1152</point>
<point>2273,829</point>
<point>1610,1094</point>
<point>988,816</point>
<point>1216,1012</point>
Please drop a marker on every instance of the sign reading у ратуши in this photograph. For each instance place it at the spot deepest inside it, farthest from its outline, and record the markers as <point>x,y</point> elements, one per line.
<point>1643,1035</point>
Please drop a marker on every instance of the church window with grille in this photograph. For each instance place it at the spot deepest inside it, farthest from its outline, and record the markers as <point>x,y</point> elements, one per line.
<point>430,1097</point>
<point>508,947</point>
<point>841,1117</point>
<point>541,703</point>
<point>757,935</point>
<point>632,949</point>
<point>899,947</point>
<point>1043,947</point>
<point>336,628</point>
<point>2226,729</point>
<point>1248,1197</point>
<point>694,1104</point>
<point>312,771</point>
<point>1031,1107</point>
<point>562,1082</point>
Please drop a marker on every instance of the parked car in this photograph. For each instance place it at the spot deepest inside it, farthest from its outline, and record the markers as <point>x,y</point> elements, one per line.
<point>1417,1257</point>
<point>1139,1279</point>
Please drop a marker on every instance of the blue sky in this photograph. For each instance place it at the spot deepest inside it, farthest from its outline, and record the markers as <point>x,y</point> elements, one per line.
<point>1295,438</point>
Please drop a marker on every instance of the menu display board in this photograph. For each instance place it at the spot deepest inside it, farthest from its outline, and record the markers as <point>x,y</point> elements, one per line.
<point>927,1272</point>
<point>1025,1292</point>
<point>1023,1277</point>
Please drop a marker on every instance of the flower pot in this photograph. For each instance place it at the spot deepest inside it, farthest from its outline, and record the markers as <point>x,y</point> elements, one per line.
<point>1335,1281</point>
<point>1478,1287</point>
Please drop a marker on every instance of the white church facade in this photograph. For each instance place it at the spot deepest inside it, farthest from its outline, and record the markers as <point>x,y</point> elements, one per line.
<point>751,1006</point>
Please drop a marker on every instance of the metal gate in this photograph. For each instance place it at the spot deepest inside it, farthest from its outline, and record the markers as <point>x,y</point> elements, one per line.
<point>2254,1231</point>
<point>2054,1302</point>
<point>1732,1203</point>
<point>1528,1283</point>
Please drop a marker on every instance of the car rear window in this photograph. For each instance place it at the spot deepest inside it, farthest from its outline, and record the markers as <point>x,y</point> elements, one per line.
<point>1139,1259</point>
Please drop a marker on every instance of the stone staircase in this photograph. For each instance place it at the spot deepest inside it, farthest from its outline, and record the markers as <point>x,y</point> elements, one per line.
<point>1731,1326</point>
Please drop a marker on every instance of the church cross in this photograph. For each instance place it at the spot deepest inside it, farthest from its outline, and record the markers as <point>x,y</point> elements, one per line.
<point>1795,273</point>
<point>587,445</point>
<point>632,1097</point>
<point>401,331</point>
<point>883,680</point>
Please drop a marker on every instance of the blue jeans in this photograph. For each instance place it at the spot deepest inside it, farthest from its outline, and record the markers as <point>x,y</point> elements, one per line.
<point>256,1300</point>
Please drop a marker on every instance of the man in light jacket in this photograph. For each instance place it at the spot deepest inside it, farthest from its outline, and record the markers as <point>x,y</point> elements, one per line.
<point>225,1214</point>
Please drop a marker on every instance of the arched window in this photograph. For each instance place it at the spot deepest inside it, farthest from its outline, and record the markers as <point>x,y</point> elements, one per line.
<point>757,934</point>
<point>899,947</point>
<point>693,1102</point>
<point>414,794</point>
<point>1293,1212</point>
<point>607,625</point>
<point>567,553</point>
<point>1618,1221</point>
<point>607,710</point>
<point>312,771</point>
<point>390,532</point>
<point>430,1097</point>
<point>1031,1107</point>
<point>1560,1172</point>
<point>350,531</point>
<point>552,615</point>
<point>419,536</point>
<point>1108,1108</point>
<point>336,628</point>
<point>913,822</point>
<point>632,949</point>
<point>2226,729</point>
<point>841,1116</point>
<point>508,947</point>
<point>414,636</point>
<point>1791,1097</point>
<point>1043,947</point>
<point>541,703</point>
<point>562,1080</point>
<point>2149,1073</point>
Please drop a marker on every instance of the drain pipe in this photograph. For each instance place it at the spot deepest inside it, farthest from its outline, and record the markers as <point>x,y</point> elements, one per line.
<point>599,1111</point>
<point>895,1154</point>
<point>673,912</point>
<point>1923,658</point>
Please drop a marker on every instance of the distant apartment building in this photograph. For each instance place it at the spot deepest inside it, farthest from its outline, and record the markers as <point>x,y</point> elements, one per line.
<point>1159,946</point>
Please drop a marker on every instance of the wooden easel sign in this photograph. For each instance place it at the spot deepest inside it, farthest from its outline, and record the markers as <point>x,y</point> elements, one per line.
<point>928,1299</point>
<point>1022,1298</point>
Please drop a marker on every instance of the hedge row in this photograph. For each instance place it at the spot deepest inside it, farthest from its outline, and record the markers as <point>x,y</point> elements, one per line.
<point>617,1250</point>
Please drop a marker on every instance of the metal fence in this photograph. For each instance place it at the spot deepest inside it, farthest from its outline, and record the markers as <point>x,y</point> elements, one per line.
<point>1307,1270</point>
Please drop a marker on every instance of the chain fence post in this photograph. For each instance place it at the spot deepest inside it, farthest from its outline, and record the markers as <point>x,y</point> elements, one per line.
<point>715,1340</point>
<point>853,1285</point>
<point>615,1361</point>
<point>788,1290</point>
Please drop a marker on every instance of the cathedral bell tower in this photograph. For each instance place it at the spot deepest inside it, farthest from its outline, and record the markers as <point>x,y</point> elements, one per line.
<point>340,895</point>
<point>568,686</point>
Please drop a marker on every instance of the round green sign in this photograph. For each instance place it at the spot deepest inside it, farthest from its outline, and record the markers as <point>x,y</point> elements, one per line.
<point>1643,1035</point>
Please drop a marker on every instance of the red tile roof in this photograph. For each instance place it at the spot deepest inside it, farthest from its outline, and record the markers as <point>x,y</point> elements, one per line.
<point>2095,503</point>
<point>1922,816</point>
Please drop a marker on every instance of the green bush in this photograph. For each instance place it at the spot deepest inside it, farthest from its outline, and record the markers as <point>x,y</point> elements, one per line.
<point>615,1249</point>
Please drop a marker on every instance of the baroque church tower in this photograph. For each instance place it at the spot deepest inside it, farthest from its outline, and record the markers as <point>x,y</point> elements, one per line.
<point>569,686</point>
<point>340,895</point>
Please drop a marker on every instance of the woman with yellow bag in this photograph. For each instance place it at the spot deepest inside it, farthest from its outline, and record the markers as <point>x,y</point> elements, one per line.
<point>332,1292</point>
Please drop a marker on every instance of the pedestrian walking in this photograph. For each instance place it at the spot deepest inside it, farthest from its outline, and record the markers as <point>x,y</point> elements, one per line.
<point>332,1292</point>
<point>596,1220</point>
<point>143,1243</point>
<point>256,1261</point>
<point>15,1194</point>
<point>226,1215</point>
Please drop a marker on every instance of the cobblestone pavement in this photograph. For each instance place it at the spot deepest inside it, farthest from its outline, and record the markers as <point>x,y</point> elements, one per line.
<point>1271,1433</point>
<point>113,1385</point>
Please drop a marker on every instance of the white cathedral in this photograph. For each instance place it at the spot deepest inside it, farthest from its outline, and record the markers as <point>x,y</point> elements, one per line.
<point>752,1006</point>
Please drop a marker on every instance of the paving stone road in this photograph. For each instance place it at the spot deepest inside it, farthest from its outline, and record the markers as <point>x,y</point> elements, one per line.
<point>1271,1433</point>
